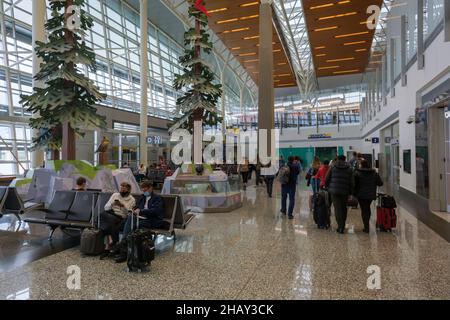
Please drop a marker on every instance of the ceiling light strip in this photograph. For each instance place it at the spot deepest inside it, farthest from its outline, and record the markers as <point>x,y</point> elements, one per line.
<point>326,29</point>
<point>346,71</point>
<point>341,59</point>
<point>351,34</point>
<point>338,16</point>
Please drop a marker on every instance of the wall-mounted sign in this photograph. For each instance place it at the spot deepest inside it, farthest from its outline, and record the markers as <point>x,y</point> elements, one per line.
<point>154,140</point>
<point>375,140</point>
<point>447,112</point>
<point>319,136</point>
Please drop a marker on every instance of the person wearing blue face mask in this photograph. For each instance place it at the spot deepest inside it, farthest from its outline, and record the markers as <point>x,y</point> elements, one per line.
<point>150,207</point>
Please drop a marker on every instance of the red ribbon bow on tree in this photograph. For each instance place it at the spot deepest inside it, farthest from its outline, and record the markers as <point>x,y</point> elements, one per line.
<point>198,5</point>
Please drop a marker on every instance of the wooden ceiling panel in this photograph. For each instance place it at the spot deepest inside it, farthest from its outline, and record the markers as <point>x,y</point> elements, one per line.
<point>339,37</point>
<point>236,23</point>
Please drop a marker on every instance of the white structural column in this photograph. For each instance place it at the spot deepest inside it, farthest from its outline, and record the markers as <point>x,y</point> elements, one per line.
<point>38,34</point>
<point>266,91</point>
<point>222,102</point>
<point>144,82</point>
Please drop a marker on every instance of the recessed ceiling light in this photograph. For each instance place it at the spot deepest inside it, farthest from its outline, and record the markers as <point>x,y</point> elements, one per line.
<point>236,30</point>
<point>228,20</point>
<point>248,54</point>
<point>286,85</point>
<point>353,43</point>
<point>249,4</point>
<point>322,6</point>
<point>351,34</point>
<point>346,71</point>
<point>251,38</point>
<point>332,67</point>
<point>338,16</point>
<point>341,59</point>
<point>217,10</point>
<point>325,29</point>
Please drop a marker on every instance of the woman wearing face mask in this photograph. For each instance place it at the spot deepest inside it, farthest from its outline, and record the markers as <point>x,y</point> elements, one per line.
<point>116,212</point>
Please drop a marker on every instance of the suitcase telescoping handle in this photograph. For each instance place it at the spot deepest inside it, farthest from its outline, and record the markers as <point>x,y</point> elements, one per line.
<point>99,211</point>
<point>132,220</point>
<point>93,211</point>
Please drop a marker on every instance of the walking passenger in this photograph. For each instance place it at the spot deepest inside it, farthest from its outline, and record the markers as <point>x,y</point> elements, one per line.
<point>366,182</point>
<point>269,172</point>
<point>339,182</point>
<point>289,187</point>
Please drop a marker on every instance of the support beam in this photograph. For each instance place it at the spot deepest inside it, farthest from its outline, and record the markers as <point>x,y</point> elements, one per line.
<point>384,79</point>
<point>403,28</point>
<point>420,42</point>
<point>38,34</point>
<point>266,86</point>
<point>392,67</point>
<point>144,82</point>
<point>447,21</point>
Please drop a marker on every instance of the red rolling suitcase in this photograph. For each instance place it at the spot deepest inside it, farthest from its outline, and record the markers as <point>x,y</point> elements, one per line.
<point>386,215</point>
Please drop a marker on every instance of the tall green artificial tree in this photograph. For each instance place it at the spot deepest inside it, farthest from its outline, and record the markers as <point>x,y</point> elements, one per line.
<point>66,105</point>
<point>201,96</point>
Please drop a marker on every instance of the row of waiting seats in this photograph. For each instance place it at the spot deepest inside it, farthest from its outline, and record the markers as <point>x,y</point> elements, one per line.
<point>79,209</point>
<point>12,203</point>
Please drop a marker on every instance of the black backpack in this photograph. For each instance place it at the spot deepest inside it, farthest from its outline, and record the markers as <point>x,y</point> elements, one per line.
<point>388,202</point>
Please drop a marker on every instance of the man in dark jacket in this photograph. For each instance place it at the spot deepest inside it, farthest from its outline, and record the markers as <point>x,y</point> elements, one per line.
<point>339,182</point>
<point>149,209</point>
<point>290,188</point>
<point>366,182</point>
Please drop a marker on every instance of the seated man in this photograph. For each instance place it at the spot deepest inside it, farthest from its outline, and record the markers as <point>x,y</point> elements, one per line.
<point>150,209</point>
<point>116,212</point>
<point>81,184</point>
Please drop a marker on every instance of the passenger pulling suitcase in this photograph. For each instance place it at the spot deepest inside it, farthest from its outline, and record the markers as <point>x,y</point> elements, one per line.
<point>92,239</point>
<point>322,210</point>
<point>140,248</point>
<point>386,216</point>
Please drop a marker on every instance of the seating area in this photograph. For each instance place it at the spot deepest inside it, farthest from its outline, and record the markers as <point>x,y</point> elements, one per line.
<point>12,203</point>
<point>76,210</point>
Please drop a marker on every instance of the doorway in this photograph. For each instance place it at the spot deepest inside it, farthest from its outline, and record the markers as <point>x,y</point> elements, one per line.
<point>326,153</point>
<point>390,159</point>
<point>439,150</point>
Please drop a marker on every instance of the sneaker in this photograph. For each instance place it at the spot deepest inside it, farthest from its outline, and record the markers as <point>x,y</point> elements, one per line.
<point>283,212</point>
<point>366,230</point>
<point>291,217</point>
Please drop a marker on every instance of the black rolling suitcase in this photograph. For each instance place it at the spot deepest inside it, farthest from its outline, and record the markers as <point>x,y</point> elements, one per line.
<point>140,248</point>
<point>322,210</point>
<point>92,241</point>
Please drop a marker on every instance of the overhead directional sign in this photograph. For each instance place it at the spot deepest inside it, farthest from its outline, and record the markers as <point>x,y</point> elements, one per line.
<point>154,140</point>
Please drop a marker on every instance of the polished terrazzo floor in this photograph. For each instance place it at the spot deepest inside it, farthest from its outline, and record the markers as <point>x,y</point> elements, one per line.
<point>254,253</point>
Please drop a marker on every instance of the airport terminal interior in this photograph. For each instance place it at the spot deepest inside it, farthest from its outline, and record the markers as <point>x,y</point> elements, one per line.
<point>135,164</point>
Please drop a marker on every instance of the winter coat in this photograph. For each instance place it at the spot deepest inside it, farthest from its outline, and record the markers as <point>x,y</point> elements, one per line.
<point>366,183</point>
<point>339,179</point>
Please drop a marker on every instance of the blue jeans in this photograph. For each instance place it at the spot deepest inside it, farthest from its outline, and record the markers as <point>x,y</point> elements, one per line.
<point>288,190</point>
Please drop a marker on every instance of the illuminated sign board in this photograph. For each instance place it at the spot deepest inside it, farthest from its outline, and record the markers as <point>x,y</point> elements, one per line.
<point>319,136</point>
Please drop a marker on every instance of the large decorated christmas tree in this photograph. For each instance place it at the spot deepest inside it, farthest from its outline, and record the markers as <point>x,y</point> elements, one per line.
<point>201,95</point>
<point>66,105</point>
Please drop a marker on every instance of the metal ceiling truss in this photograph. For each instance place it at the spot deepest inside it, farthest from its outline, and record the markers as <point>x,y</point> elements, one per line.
<point>180,9</point>
<point>290,18</point>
